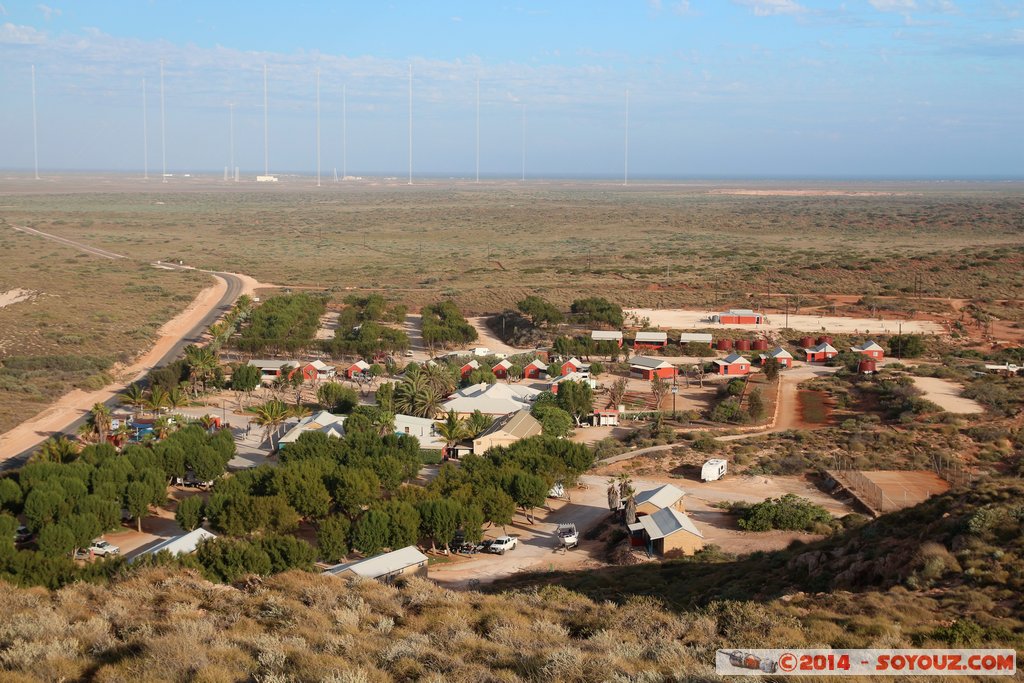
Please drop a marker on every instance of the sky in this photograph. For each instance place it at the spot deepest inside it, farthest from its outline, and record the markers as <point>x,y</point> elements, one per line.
<point>587,88</point>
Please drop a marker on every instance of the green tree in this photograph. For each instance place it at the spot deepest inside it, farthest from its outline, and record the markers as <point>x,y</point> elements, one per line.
<point>286,552</point>
<point>452,430</point>
<point>101,417</point>
<point>385,396</point>
<point>906,345</point>
<point>478,423</point>
<point>225,559</point>
<point>528,491</point>
<point>133,396</point>
<point>497,506</point>
<point>137,497</point>
<point>354,488</point>
<point>336,397</point>
<point>439,520</point>
<point>332,538</point>
<point>771,369</point>
<point>56,539</point>
<point>370,532</point>
<point>10,495</point>
<point>554,421</point>
<point>577,399</point>
<point>540,312</point>
<point>245,378</point>
<point>42,507</point>
<point>403,524</point>
<point>271,415</point>
<point>755,405</point>
<point>189,514</point>
<point>59,449</point>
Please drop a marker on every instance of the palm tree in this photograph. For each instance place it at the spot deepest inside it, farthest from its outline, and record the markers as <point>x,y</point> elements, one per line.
<point>162,427</point>
<point>101,421</point>
<point>417,396</point>
<point>440,377</point>
<point>176,398</point>
<point>384,421</point>
<point>122,433</point>
<point>59,449</point>
<point>157,399</point>
<point>202,365</point>
<point>452,430</point>
<point>134,396</point>
<point>271,415</point>
<point>208,422</point>
<point>478,423</point>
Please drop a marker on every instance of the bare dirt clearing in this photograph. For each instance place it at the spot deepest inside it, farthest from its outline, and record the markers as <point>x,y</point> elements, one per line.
<point>946,395</point>
<point>683,319</point>
<point>14,296</point>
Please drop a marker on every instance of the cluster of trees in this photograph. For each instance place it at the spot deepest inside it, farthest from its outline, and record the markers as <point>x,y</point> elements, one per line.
<point>597,311</point>
<point>585,347</point>
<point>574,401</point>
<point>790,512</point>
<point>444,325</point>
<point>221,331</point>
<point>285,323</point>
<point>504,478</point>
<point>539,311</point>
<point>900,398</point>
<point>370,308</point>
<point>368,340</point>
<point>68,502</point>
<point>421,391</point>
<point>906,345</point>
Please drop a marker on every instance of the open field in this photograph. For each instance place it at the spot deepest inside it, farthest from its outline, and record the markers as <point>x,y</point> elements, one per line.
<point>946,395</point>
<point>681,319</point>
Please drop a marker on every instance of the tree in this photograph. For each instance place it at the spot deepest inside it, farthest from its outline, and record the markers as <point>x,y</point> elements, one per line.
<point>385,396</point>
<point>370,533</point>
<point>332,538</point>
<point>58,449</point>
<point>906,345</point>
<point>472,523</point>
<point>101,418</point>
<point>617,392</point>
<point>55,540</point>
<point>771,369</point>
<point>134,396</point>
<point>659,390</point>
<point>271,415</point>
<point>157,399</point>
<point>336,397</point>
<point>202,366</point>
<point>596,369</point>
<point>439,520</point>
<point>245,378</point>
<point>42,507</point>
<point>403,524</point>
<point>228,560</point>
<point>554,421</point>
<point>354,488</point>
<point>189,514</point>
<point>10,495</point>
<point>452,430</point>
<point>755,405</point>
<point>137,497</point>
<point>497,506</point>
<point>286,552</point>
<point>301,483</point>
<point>540,312</point>
<point>614,499</point>
<point>528,491</point>
<point>577,399</point>
<point>597,310</point>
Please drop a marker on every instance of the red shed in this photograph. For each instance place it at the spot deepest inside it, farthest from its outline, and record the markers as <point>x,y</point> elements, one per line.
<point>820,353</point>
<point>500,368</point>
<point>733,364</point>
<point>738,316</point>
<point>356,368</point>
<point>870,349</point>
<point>649,368</point>
<point>469,367</point>
<point>535,369</point>
<point>780,354</point>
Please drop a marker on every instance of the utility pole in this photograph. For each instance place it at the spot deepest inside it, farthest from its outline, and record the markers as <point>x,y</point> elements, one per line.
<point>787,312</point>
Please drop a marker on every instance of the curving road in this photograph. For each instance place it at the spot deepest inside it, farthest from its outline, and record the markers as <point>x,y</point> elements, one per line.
<point>194,335</point>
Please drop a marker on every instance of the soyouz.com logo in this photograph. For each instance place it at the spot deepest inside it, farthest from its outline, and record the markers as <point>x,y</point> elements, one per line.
<point>935,662</point>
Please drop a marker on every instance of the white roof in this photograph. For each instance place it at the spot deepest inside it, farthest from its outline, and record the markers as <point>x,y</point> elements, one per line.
<point>181,545</point>
<point>491,399</point>
<point>664,496</point>
<point>420,427</point>
<point>381,565</point>
<point>823,346</point>
<point>481,351</point>
<point>503,363</point>
<point>666,522</point>
<point>652,336</point>
<point>361,364</point>
<point>577,362</point>
<point>695,337</point>
<point>328,423</point>
<point>473,364</point>
<point>869,345</point>
<point>320,365</point>
<point>575,377</point>
<point>606,335</point>
<point>538,363</point>
<point>777,352</point>
<point>648,363</point>
<point>740,311</point>
<point>273,364</point>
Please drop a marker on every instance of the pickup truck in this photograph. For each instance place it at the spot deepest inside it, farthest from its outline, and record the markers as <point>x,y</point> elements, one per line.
<point>503,544</point>
<point>102,548</point>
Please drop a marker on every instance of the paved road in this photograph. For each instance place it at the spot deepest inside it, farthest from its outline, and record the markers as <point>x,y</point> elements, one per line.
<point>234,289</point>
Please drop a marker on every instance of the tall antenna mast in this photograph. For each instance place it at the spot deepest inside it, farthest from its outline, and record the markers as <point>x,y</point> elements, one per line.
<point>266,138</point>
<point>344,133</point>
<point>478,129</point>
<point>318,127</point>
<point>145,134</point>
<point>163,128</point>
<point>524,143</point>
<point>35,134</point>
<point>410,124</point>
<point>231,136</point>
<point>625,161</point>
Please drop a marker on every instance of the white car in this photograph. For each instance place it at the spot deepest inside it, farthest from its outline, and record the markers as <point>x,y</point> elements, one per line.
<point>103,548</point>
<point>503,544</point>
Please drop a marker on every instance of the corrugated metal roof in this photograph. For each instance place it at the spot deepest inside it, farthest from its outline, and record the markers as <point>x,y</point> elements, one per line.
<point>605,335</point>
<point>652,336</point>
<point>649,363</point>
<point>181,545</point>
<point>381,565</point>
<point>666,522</point>
<point>869,345</point>
<point>520,425</point>
<point>664,496</point>
<point>273,364</point>
<point>695,337</point>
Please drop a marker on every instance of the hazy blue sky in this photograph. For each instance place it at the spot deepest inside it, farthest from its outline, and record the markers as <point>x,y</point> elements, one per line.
<point>717,87</point>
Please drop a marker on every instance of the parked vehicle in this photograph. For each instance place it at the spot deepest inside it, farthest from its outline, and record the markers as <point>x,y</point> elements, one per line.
<point>557,491</point>
<point>713,470</point>
<point>503,544</point>
<point>22,534</point>
<point>568,537</point>
<point>408,354</point>
<point>103,548</point>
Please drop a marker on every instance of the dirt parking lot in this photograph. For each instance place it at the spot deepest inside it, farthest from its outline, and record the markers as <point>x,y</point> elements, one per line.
<point>682,320</point>
<point>946,395</point>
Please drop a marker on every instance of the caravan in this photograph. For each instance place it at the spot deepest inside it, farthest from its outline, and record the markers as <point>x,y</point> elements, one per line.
<point>713,470</point>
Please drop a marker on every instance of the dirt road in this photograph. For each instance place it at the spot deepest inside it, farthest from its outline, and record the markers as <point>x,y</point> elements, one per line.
<point>682,320</point>
<point>489,339</point>
<point>95,251</point>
